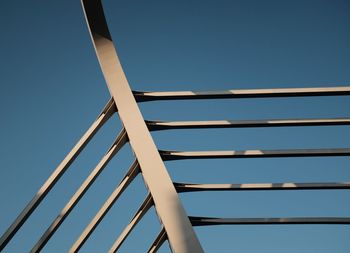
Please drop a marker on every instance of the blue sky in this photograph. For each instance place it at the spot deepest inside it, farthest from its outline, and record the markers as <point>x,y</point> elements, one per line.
<point>52,89</point>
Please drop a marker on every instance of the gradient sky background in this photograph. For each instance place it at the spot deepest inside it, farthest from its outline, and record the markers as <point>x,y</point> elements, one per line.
<point>52,89</point>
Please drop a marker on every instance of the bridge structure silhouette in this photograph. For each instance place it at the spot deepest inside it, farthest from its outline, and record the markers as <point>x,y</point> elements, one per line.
<point>163,193</point>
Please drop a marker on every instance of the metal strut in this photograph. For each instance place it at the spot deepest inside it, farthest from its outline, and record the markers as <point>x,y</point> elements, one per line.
<point>145,206</point>
<point>177,227</point>
<point>251,93</point>
<point>186,187</point>
<point>167,125</point>
<point>106,113</point>
<point>116,146</point>
<point>178,155</point>
<point>158,242</point>
<point>129,177</point>
<point>207,221</point>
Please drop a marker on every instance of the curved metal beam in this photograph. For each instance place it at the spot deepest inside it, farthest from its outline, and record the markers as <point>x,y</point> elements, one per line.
<point>178,155</point>
<point>182,237</point>
<point>251,93</point>
<point>184,187</point>
<point>207,221</point>
<point>117,145</point>
<point>167,125</point>
<point>106,113</point>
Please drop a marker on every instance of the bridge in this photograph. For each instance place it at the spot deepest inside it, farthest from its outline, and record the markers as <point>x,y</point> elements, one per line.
<point>177,227</point>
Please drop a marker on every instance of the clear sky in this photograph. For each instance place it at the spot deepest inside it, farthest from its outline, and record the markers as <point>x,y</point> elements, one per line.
<point>51,90</point>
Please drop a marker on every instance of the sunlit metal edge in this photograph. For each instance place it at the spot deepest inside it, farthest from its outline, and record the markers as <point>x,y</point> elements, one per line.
<point>178,155</point>
<point>145,206</point>
<point>187,187</point>
<point>168,125</point>
<point>124,183</point>
<point>242,93</point>
<point>158,242</point>
<point>106,113</point>
<point>207,221</point>
<point>116,146</point>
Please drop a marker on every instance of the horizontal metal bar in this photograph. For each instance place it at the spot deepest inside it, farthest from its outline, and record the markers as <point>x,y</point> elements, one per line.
<point>177,155</point>
<point>145,206</point>
<point>158,242</point>
<point>116,146</point>
<point>207,221</point>
<point>251,93</point>
<point>106,113</point>
<point>185,187</point>
<point>131,174</point>
<point>166,125</point>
